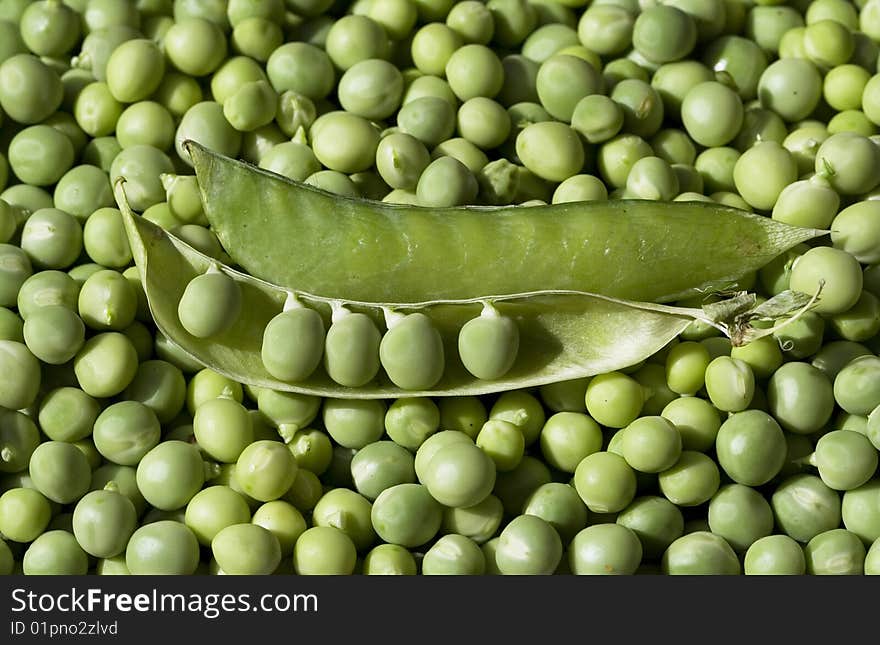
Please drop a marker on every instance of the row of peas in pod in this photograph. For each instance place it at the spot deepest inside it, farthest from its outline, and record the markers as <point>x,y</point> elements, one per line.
<point>352,349</point>
<point>120,454</point>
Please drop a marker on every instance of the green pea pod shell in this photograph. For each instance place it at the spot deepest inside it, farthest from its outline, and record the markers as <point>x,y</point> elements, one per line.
<point>303,238</point>
<point>563,334</point>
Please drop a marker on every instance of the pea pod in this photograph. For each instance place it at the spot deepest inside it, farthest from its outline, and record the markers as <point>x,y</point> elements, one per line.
<point>287,233</point>
<point>562,335</point>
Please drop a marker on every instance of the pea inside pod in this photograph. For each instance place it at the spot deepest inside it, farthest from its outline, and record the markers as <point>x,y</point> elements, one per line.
<point>278,230</point>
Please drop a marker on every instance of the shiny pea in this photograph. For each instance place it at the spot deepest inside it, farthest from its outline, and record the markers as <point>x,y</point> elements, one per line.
<point>210,304</point>
<point>411,352</point>
<point>164,547</point>
<point>406,515</point>
<point>126,431</point>
<point>700,553</point>
<point>246,549</point>
<point>528,546</point>
<point>488,345</point>
<point>60,471</point>
<point>293,344</point>
<point>351,351</point>
<point>103,522</point>
<point>55,553</point>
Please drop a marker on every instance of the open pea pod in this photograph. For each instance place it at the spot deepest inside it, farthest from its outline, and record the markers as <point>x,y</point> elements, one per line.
<point>301,237</point>
<point>558,335</point>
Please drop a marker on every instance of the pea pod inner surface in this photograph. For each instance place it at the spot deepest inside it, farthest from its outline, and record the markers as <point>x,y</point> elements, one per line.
<point>300,237</point>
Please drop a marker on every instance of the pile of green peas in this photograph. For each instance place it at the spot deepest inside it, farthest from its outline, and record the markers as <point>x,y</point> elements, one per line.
<point>119,454</point>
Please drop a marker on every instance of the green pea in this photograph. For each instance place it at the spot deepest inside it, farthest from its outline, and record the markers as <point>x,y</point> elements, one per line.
<point>106,364</point>
<point>656,522</point>
<point>213,509</point>
<point>479,522</point>
<point>459,474</point>
<point>324,550</point>
<point>750,447</point>
<point>488,344</point>
<point>40,155</point>
<point>195,61</point>
<point>312,449</point>
<point>614,399</point>
<point>60,471</point>
<point>160,386</point>
<point>252,106</point>
<point>205,123</point>
<point>804,506</point>
<point>104,238</point>
<point>54,334</point>
<point>686,366</point>
<point>859,511</point>
<point>856,389</point>
<point>774,555</point>
<point>741,515</point>
<point>257,37</point>
<point>126,431</point>
<point>165,547</point>
<point>426,450</point>
<point>446,182</point>
<point>845,459</point>
<point>107,301</point>
<point>24,514</point>
<point>223,428</point>
<point>265,470</point>
<point>560,506</point>
<point>15,269</point>
<point>246,549</point>
<point>568,437</point>
<point>696,420</point>
<point>605,549</point>
<point>380,465</point>
<point>351,352</point>
<point>30,90</point>
<point>103,522</point>
<point>354,423</point>
<point>800,397</point>
<point>284,521</point>
<point>700,553</point>
<point>651,444</point>
<point>406,515</point>
<point>691,481</point>
<point>567,158</point>
<point>730,383</point>
<point>503,442</point>
<point>67,414</point>
<point>170,474</point>
<point>19,437</point>
<point>466,414</point>
<point>207,384</point>
<point>55,553</point>
<point>210,304</point>
<point>134,70</point>
<point>453,554</point>
<point>389,559</point>
<point>851,157</point>
<point>605,482</point>
<point>528,546</point>
<point>835,552</point>
<point>411,352</point>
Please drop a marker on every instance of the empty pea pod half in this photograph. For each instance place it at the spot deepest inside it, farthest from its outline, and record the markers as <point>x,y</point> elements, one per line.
<point>304,238</point>
<point>267,335</point>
